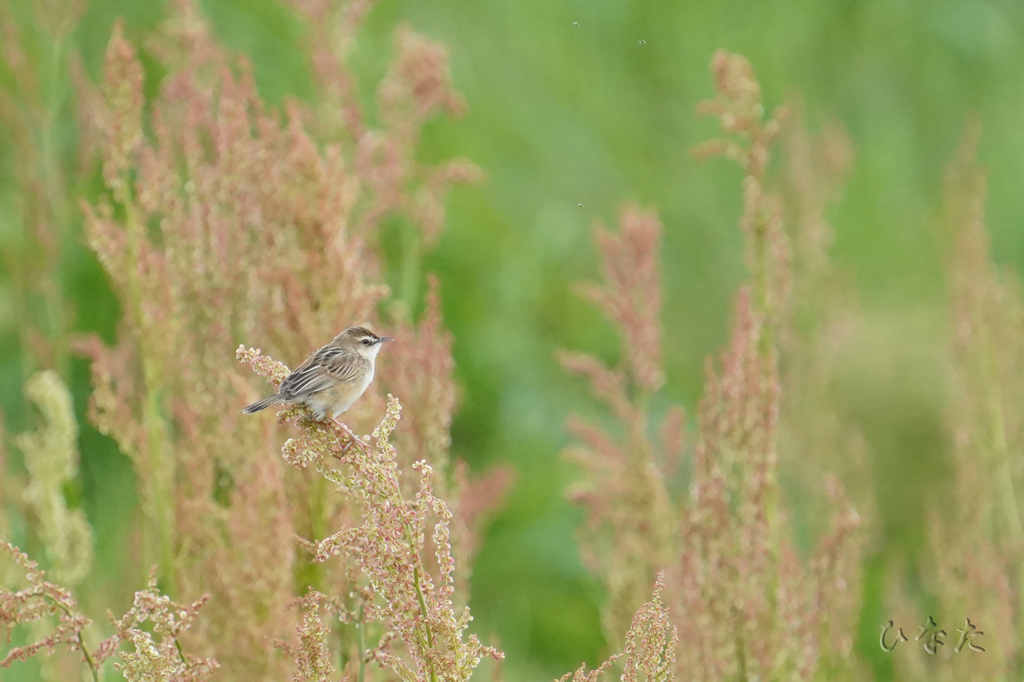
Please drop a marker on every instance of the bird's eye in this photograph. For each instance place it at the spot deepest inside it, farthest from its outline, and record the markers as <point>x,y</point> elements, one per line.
<point>366,342</point>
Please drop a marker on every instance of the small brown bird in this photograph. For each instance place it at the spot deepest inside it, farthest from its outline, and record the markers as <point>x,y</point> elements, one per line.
<point>332,378</point>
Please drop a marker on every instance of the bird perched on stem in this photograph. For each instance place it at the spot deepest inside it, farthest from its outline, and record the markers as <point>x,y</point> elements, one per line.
<point>332,378</point>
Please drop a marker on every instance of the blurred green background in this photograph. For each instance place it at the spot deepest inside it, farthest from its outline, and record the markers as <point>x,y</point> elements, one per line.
<point>598,112</point>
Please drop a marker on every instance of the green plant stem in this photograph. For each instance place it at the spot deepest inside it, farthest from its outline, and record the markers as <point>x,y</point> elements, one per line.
<point>38,172</point>
<point>81,642</point>
<point>361,642</point>
<point>741,649</point>
<point>161,495</point>
<point>655,503</point>
<point>312,575</point>
<point>54,197</point>
<point>422,602</point>
<point>361,446</point>
<point>762,302</point>
<point>88,659</point>
<point>181,654</point>
<point>159,479</point>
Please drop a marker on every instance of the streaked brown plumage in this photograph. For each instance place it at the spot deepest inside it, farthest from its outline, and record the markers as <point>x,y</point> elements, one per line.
<point>332,378</point>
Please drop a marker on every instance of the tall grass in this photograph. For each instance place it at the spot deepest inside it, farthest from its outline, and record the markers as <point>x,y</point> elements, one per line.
<point>269,549</point>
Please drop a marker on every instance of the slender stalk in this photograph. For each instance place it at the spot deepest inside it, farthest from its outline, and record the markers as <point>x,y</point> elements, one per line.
<point>55,200</point>
<point>741,649</point>
<point>88,659</point>
<point>311,574</point>
<point>657,513</point>
<point>160,470</point>
<point>422,602</point>
<point>361,641</point>
<point>38,173</point>
<point>762,302</point>
<point>361,446</point>
<point>81,642</point>
<point>181,654</point>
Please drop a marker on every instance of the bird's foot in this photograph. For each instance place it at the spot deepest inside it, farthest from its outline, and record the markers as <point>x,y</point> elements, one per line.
<point>352,436</point>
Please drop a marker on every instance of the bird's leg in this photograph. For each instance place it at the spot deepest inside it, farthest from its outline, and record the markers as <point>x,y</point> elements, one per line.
<point>347,430</point>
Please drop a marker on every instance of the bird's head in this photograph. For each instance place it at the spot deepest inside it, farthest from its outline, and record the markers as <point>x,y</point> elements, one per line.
<point>361,340</point>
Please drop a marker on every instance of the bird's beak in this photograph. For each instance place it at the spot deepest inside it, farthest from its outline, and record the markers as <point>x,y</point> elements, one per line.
<point>386,338</point>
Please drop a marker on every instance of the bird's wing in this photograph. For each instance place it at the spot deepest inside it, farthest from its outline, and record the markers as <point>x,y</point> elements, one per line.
<point>326,367</point>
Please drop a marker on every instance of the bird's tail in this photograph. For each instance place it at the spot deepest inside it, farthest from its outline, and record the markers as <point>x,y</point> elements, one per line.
<point>263,404</point>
